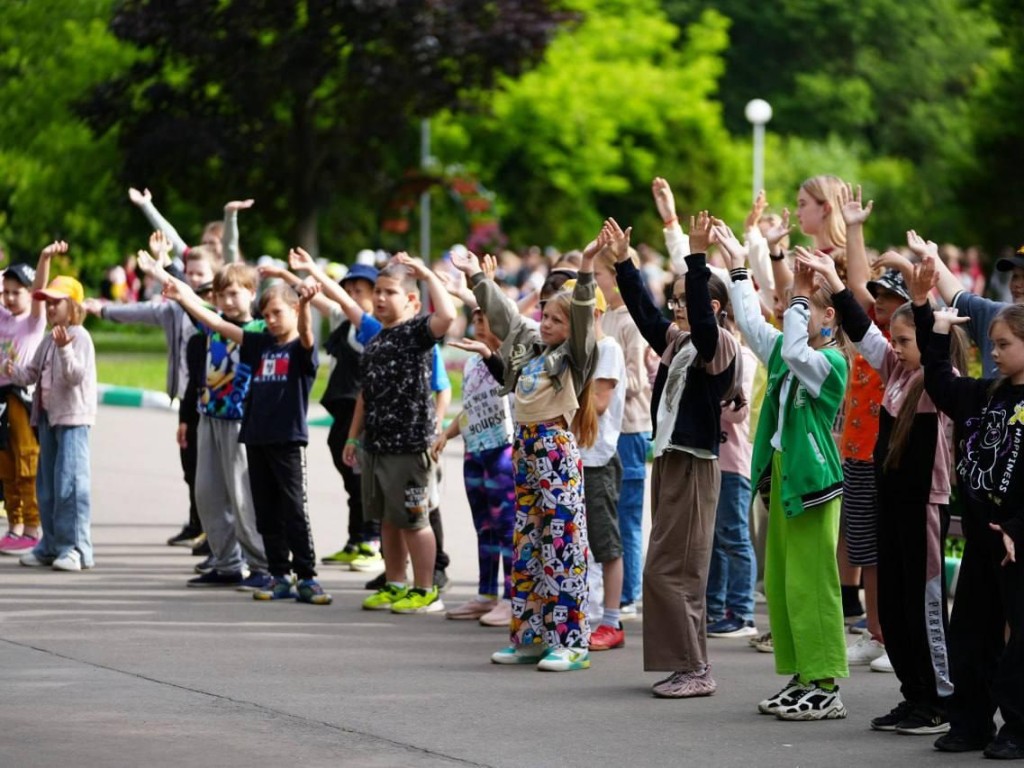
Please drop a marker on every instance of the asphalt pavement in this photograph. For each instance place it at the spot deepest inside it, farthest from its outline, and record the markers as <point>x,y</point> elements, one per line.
<point>124,666</point>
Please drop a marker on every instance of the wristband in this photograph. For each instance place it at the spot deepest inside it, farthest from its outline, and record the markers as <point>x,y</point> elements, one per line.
<point>780,257</point>
<point>352,441</point>
<point>670,222</point>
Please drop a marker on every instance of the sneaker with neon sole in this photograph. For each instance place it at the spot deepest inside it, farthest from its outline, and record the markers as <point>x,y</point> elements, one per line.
<point>367,558</point>
<point>343,556</point>
<point>280,589</point>
<point>384,598</point>
<point>311,592</point>
<point>564,660</point>
<point>530,654</point>
<point>418,600</point>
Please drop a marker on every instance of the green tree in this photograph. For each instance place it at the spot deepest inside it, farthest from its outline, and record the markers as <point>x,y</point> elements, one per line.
<point>621,98</point>
<point>305,105</point>
<point>57,180</point>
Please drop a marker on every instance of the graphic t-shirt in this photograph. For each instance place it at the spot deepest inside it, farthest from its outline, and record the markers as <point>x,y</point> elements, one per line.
<point>396,368</point>
<point>863,403</point>
<point>282,377</point>
<point>486,419</point>
<point>223,391</point>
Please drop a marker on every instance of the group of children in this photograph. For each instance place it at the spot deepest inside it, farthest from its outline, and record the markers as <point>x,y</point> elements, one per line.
<point>853,388</point>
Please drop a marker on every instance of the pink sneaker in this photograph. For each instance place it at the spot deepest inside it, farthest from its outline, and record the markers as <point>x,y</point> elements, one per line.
<point>13,544</point>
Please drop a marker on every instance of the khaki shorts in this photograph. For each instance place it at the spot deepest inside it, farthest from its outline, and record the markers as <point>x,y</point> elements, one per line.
<point>397,488</point>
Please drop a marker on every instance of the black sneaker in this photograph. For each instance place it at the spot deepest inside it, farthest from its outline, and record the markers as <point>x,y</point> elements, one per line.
<point>186,537</point>
<point>440,580</point>
<point>1005,748</point>
<point>894,718</point>
<point>203,549</point>
<point>216,579</point>
<point>961,742</point>
<point>377,583</point>
<point>204,567</point>
<point>923,721</point>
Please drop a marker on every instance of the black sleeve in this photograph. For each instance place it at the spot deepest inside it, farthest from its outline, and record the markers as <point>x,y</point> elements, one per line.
<point>195,361</point>
<point>924,319</point>
<point>855,320</point>
<point>960,397</point>
<point>652,324</point>
<point>496,366</point>
<point>703,323</point>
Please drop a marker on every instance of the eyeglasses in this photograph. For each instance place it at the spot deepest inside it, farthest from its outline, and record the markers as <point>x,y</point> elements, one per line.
<point>677,302</point>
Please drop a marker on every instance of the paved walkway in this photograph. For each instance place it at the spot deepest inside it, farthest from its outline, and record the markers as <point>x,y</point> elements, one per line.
<point>122,666</point>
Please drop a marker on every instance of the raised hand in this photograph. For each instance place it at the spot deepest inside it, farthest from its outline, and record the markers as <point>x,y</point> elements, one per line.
<point>733,248</point>
<point>775,234</point>
<point>172,290</point>
<point>854,213</point>
<point>465,261</point>
<point>893,260</point>
<point>57,246</point>
<point>270,271</point>
<point>299,260</point>
<point>664,200</point>
<point>700,232</point>
<point>946,318</point>
<point>820,264</point>
<point>419,270</point>
<point>472,345</point>
<point>60,334</point>
<point>756,211</point>
<point>489,265</point>
<point>615,239</point>
<point>922,279</point>
<point>803,279</point>
<point>1008,545</point>
<point>307,290</point>
<point>160,244</point>
<point>139,198</point>
<point>238,205</point>
<point>920,246</point>
<point>151,266</point>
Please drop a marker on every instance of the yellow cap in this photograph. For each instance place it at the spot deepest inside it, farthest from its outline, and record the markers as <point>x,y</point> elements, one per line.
<point>601,306</point>
<point>61,287</point>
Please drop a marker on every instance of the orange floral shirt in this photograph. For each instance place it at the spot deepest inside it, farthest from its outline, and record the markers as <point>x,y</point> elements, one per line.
<point>862,406</point>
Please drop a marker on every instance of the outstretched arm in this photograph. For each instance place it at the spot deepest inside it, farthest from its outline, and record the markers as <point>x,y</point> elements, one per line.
<point>319,302</point>
<point>229,240</point>
<point>179,291</point>
<point>300,261</point>
<point>43,273</point>
<point>857,270</point>
<point>144,200</point>
<point>444,310</point>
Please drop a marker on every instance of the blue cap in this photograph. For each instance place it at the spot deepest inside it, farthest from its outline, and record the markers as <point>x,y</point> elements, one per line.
<point>360,272</point>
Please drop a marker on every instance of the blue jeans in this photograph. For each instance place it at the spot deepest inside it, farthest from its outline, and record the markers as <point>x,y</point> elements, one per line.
<point>733,570</point>
<point>63,489</point>
<point>633,453</point>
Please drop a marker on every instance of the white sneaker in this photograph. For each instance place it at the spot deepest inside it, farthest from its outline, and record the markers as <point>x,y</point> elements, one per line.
<point>628,612</point>
<point>814,703</point>
<point>565,660</point>
<point>29,560</point>
<point>72,561</point>
<point>881,664</point>
<point>864,651</point>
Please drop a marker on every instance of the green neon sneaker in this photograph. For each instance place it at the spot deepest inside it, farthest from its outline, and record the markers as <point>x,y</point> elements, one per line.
<point>280,589</point>
<point>367,558</point>
<point>384,598</point>
<point>310,591</point>
<point>343,556</point>
<point>418,600</point>
<point>527,654</point>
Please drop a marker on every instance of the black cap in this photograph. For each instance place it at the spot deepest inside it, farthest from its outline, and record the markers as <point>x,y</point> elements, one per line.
<point>23,273</point>
<point>892,281</point>
<point>1008,263</point>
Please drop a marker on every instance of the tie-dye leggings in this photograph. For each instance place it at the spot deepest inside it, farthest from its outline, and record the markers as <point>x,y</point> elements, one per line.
<point>549,567</point>
<point>490,487</point>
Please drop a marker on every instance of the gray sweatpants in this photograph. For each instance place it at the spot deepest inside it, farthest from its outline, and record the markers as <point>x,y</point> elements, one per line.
<point>223,497</point>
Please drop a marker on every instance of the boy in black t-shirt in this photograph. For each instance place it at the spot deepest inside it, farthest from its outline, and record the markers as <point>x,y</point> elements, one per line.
<point>397,410</point>
<point>283,362</point>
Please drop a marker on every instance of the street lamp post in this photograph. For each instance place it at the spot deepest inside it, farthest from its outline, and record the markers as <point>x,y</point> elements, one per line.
<point>758,112</point>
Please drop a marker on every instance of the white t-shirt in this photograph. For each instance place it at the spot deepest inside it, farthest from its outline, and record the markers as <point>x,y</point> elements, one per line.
<point>611,364</point>
<point>486,420</point>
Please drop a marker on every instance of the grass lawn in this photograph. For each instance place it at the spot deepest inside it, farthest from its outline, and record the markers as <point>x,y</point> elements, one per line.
<point>140,360</point>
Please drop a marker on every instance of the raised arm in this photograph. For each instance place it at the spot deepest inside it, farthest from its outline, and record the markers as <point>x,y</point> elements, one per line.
<point>760,336</point>
<point>676,241</point>
<point>42,277</point>
<point>179,291</point>
<point>857,269</point>
<point>307,291</point>
<point>780,269</point>
<point>229,240</point>
<point>144,201</point>
<point>582,339</point>
<point>704,328</point>
<point>319,302</point>
<point>810,367</point>
<point>502,313</point>
<point>444,310</point>
<point>300,261</point>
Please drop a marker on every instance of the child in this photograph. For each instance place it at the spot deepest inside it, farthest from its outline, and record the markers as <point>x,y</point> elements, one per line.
<point>987,667</point>
<point>796,462</point>
<point>283,363</point>
<point>602,479</point>
<point>22,327</point>
<point>698,371</point>
<point>913,493</point>
<point>549,370</point>
<point>63,409</point>
<point>636,429</point>
<point>397,411</point>
<point>222,482</point>
<point>486,426</point>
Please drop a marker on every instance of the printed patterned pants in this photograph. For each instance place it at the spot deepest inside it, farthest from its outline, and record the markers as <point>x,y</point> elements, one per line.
<point>549,567</point>
<point>490,487</point>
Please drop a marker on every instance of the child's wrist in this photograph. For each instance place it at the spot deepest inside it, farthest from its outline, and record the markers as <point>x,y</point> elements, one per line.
<point>352,441</point>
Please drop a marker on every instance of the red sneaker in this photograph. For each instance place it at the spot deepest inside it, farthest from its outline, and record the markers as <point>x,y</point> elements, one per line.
<point>604,638</point>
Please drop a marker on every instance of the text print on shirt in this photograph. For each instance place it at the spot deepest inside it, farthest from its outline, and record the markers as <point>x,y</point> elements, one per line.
<point>274,366</point>
<point>999,435</point>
